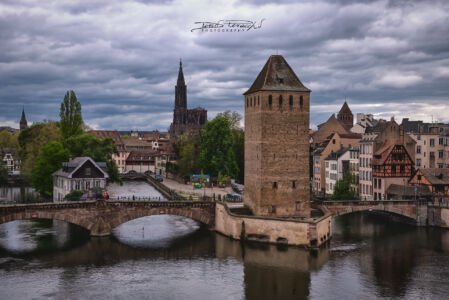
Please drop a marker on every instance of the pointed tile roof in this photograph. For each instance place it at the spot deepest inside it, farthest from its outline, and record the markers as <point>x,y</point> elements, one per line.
<point>277,75</point>
<point>345,109</point>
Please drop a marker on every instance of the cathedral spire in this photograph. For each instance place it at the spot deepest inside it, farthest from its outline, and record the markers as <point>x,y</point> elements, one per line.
<point>180,90</point>
<point>180,75</point>
<point>23,120</point>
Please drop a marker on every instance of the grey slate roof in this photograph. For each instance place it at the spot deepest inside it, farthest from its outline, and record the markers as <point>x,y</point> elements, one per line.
<point>68,168</point>
<point>277,75</point>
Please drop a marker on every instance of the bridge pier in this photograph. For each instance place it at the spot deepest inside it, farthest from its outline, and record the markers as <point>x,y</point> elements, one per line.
<point>100,228</point>
<point>421,214</point>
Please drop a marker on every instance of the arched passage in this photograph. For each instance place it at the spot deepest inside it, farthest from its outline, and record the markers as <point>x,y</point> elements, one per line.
<point>100,217</point>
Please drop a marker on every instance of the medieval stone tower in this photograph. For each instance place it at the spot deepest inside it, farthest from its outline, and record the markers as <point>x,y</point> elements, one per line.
<point>277,112</point>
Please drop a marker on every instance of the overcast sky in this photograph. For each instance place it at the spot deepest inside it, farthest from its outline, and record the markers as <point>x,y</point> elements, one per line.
<point>121,58</point>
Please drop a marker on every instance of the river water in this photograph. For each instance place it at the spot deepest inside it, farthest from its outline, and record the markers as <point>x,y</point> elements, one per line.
<point>171,257</point>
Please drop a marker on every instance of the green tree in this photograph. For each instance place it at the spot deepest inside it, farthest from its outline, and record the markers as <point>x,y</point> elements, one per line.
<point>233,118</point>
<point>344,189</point>
<point>48,161</point>
<point>71,123</point>
<point>3,173</point>
<point>238,136</point>
<point>7,140</point>
<point>217,154</point>
<point>99,150</point>
<point>187,149</point>
<point>73,196</point>
<point>31,140</point>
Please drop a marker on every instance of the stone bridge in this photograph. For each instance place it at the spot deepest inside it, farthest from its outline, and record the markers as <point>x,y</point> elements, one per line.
<point>415,210</point>
<point>100,217</point>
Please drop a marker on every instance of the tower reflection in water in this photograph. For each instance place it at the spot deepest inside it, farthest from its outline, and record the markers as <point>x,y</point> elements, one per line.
<point>369,256</point>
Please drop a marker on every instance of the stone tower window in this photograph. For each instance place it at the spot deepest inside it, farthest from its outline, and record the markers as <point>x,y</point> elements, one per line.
<point>275,185</point>
<point>300,101</point>
<point>251,101</point>
<point>290,100</point>
<point>270,100</point>
<point>280,100</point>
<point>294,184</point>
<point>247,102</point>
<point>258,100</point>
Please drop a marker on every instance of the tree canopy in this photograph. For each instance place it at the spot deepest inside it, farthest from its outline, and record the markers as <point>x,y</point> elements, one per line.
<point>233,118</point>
<point>217,154</point>
<point>98,149</point>
<point>187,148</point>
<point>7,140</point>
<point>343,189</point>
<point>3,173</point>
<point>71,123</point>
<point>50,158</point>
<point>31,140</point>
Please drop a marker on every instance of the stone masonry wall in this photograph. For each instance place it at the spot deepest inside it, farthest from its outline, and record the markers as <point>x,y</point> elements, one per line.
<point>277,154</point>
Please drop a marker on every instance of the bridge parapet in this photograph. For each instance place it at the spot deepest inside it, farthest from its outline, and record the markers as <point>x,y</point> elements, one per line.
<point>101,216</point>
<point>416,210</point>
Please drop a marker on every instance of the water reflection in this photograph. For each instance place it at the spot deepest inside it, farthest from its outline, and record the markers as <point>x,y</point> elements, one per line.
<point>22,194</point>
<point>174,257</point>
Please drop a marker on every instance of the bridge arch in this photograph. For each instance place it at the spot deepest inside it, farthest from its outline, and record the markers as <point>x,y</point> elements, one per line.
<point>46,215</point>
<point>198,215</point>
<point>407,209</point>
<point>100,217</point>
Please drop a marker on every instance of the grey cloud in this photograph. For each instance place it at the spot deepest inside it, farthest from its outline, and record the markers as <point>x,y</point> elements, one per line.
<point>122,58</point>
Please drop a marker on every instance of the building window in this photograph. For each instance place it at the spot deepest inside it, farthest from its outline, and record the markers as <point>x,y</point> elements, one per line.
<point>280,100</point>
<point>418,137</point>
<point>418,162</point>
<point>440,154</point>
<point>300,101</point>
<point>290,100</point>
<point>294,184</point>
<point>258,100</point>
<point>298,205</point>
<point>247,102</point>
<point>402,169</point>
<point>418,149</point>
<point>273,209</point>
<point>440,141</point>
<point>440,166</point>
<point>432,142</point>
<point>270,100</point>
<point>275,185</point>
<point>251,101</point>
<point>87,171</point>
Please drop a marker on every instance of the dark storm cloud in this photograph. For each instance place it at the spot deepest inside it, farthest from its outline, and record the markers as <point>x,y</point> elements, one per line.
<point>121,58</point>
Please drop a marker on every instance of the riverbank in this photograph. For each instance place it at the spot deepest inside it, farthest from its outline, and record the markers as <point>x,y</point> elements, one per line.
<point>190,190</point>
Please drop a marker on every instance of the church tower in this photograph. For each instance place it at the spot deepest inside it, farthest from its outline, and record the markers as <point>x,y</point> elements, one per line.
<point>23,120</point>
<point>277,112</point>
<point>180,90</point>
<point>346,117</point>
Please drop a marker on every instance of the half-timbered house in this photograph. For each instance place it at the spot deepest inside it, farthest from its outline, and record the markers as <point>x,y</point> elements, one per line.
<point>392,164</point>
